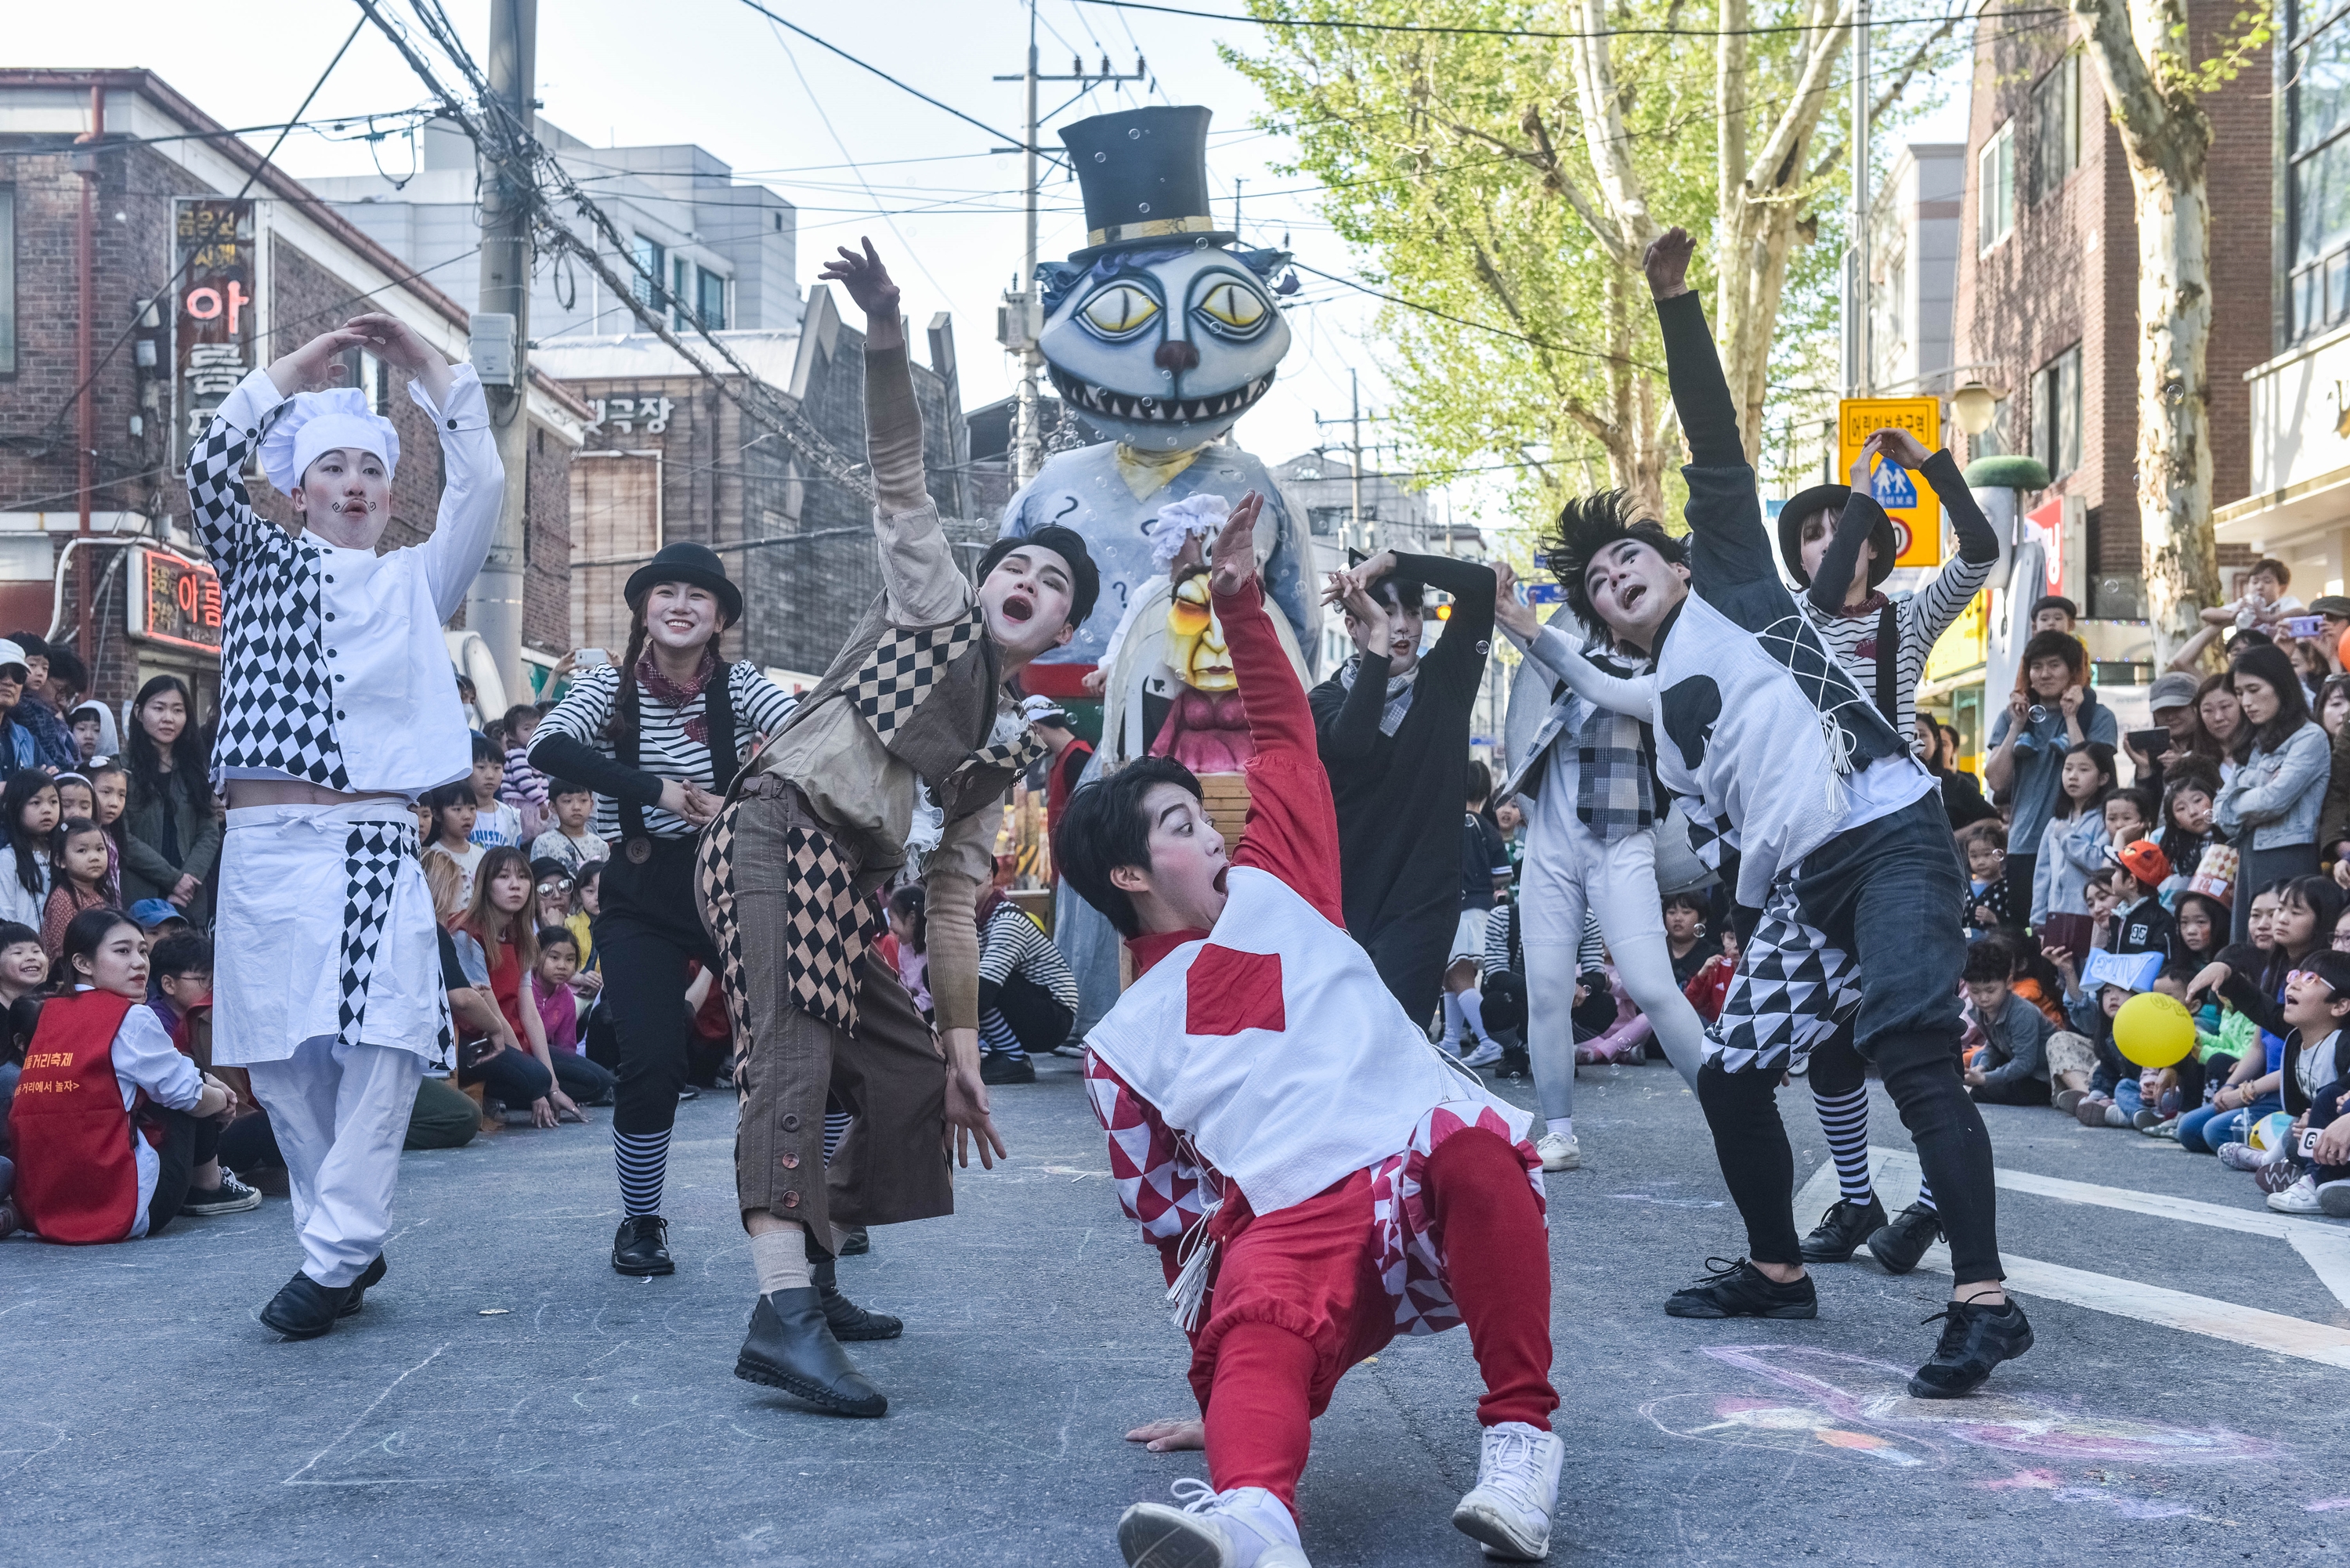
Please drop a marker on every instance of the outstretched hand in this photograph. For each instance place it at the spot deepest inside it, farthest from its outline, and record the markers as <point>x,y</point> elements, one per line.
<point>1516,618</point>
<point>1233,559</point>
<point>866,279</point>
<point>1667,263</point>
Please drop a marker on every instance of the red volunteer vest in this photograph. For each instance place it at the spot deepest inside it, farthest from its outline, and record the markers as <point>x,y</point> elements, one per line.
<point>77,1178</point>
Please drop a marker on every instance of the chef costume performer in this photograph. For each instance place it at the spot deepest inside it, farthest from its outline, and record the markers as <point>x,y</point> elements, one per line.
<point>894,766</point>
<point>336,709</point>
<point>1316,1176</point>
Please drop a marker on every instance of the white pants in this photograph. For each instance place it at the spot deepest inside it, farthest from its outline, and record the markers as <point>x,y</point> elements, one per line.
<point>340,1112</point>
<point>1569,869</point>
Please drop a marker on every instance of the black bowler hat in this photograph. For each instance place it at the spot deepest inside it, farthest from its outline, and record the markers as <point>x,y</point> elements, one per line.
<point>1143,174</point>
<point>1830,499</point>
<point>686,562</point>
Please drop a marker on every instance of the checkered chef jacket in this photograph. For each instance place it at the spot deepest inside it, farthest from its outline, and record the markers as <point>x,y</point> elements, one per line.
<point>333,668</point>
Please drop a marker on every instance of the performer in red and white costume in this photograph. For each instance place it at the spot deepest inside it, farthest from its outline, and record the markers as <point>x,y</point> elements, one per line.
<point>1316,1175</point>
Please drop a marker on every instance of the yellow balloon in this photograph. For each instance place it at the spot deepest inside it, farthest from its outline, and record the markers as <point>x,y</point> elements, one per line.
<point>2154,1030</point>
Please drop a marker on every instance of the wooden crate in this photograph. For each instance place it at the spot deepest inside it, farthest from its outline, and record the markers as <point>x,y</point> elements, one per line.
<point>1033,903</point>
<point>1226,798</point>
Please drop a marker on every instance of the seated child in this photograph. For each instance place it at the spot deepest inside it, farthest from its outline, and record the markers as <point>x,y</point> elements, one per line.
<point>180,982</point>
<point>85,881</point>
<point>1273,1114</point>
<point>1625,1038</point>
<point>1710,984</point>
<point>570,840</point>
<point>2013,1067</point>
<point>2317,1086</point>
<point>559,1012</point>
<point>93,1163</point>
<point>2139,924</point>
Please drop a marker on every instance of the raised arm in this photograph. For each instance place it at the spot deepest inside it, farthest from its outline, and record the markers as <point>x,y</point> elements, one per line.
<point>1635,696</point>
<point>918,565</point>
<point>1730,548</point>
<point>224,519</point>
<point>1467,635</point>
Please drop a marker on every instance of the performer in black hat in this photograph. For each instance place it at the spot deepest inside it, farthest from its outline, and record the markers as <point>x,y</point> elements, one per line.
<point>657,737</point>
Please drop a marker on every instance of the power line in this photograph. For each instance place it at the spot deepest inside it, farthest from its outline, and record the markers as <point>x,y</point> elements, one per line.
<point>1553,33</point>
<point>877,70</point>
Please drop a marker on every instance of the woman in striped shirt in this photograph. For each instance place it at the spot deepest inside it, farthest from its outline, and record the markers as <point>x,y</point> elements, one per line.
<point>659,738</point>
<point>1838,544</point>
<point>1028,994</point>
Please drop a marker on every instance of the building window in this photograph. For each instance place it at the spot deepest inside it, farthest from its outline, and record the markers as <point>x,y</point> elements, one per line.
<point>2055,127</point>
<point>2317,183</point>
<point>710,301</point>
<point>650,259</point>
<point>374,385</point>
<point>7,280</point>
<point>2056,413</point>
<point>1995,188</point>
<point>681,293</point>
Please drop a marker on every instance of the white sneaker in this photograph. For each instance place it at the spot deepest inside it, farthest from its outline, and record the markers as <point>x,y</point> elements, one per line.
<point>1559,1152</point>
<point>2300,1198</point>
<point>1485,1055</point>
<point>1510,1507</point>
<point>1244,1528</point>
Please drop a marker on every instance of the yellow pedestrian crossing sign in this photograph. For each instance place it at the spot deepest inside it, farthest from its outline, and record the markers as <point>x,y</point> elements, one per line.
<point>1908,499</point>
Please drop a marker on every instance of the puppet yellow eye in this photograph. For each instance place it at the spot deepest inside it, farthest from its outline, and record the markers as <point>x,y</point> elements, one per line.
<point>1119,310</point>
<point>1230,305</point>
<point>1187,619</point>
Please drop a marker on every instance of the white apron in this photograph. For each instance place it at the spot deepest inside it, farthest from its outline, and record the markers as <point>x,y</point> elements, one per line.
<point>325,929</point>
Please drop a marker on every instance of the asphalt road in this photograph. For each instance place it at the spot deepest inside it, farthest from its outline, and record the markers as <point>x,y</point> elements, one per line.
<point>505,1396</point>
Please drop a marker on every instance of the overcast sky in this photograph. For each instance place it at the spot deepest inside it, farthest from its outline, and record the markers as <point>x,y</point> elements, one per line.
<point>789,114</point>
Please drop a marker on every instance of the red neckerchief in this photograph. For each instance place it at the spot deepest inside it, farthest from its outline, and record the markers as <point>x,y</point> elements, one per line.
<point>678,694</point>
<point>1873,604</point>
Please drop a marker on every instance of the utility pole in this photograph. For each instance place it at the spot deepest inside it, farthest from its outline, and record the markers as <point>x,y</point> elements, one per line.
<point>494,603</point>
<point>1862,371</point>
<point>85,164</point>
<point>1022,320</point>
<point>1354,424</point>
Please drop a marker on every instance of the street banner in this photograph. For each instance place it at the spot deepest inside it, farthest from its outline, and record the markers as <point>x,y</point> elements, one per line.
<point>212,324</point>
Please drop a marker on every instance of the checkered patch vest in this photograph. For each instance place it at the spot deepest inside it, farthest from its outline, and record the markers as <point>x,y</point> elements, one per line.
<point>929,695</point>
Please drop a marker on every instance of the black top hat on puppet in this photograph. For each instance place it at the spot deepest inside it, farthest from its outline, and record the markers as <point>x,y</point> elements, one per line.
<point>1830,499</point>
<point>1144,175</point>
<point>686,562</point>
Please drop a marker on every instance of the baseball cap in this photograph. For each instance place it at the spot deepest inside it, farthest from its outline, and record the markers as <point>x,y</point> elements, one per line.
<point>153,912</point>
<point>2144,859</point>
<point>2175,688</point>
<point>12,653</point>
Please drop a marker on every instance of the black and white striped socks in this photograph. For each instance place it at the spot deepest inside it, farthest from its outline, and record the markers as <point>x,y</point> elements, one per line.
<point>642,1159</point>
<point>1844,1119</point>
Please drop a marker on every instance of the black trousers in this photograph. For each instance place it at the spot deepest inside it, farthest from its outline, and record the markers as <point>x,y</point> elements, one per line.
<point>651,926</point>
<point>188,1143</point>
<point>2024,1091</point>
<point>1888,893</point>
<point>583,1080</point>
<point>1409,955</point>
<point>513,1076</point>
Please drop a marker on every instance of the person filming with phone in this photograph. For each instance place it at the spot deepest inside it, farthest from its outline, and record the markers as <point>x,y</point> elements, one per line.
<point>2051,711</point>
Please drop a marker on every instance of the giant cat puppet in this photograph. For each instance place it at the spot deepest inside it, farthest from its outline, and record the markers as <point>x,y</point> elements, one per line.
<point>1160,335</point>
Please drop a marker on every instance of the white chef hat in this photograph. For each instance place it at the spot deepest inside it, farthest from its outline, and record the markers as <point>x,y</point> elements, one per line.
<point>318,422</point>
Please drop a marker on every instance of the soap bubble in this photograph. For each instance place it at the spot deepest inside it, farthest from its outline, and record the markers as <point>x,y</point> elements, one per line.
<point>1134,135</point>
<point>1101,157</point>
<point>1142,206</point>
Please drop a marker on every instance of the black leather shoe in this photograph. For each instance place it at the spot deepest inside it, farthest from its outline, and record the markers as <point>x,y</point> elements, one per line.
<point>791,1347</point>
<point>855,1243</point>
<point>1742,1290</point>
<point>1900,1244</point>
<point>369,1276</point>
<point>848,1321</point>
<point>1975,1339</point>
<point>305,1309</point>
<point>1843,1229</point>
<point>994,1069</point>
<point>641,1246</point>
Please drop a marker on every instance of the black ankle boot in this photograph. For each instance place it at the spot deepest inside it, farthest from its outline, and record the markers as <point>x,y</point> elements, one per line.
<point>1975,1338</point>
<point>1843,1229</point>
<point>304,1309</point>
<point>848,1321</point>
<point>369,1276</point>
<point>641,1246</point>
<point>791,1347</point>
<point>1900,1244</point>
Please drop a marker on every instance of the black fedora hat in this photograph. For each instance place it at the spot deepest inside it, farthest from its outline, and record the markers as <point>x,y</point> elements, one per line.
<point>686,562</point>
<point>1830,499</point>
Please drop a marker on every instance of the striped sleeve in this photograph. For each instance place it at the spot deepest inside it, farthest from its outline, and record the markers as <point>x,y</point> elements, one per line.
<point>585,710</point>
<point>760,705</point>
<point>1591,951</point>
<point>1504,921</point>
<point>1014,945</point>
<point>1936,606</point>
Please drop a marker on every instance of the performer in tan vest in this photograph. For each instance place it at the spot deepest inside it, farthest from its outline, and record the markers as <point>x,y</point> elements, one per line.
<point>892,766</point>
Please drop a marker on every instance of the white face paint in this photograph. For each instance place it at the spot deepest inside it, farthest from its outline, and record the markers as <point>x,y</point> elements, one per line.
<point>345,498</point>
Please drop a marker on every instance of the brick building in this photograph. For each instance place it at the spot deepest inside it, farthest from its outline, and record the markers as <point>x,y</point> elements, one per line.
<point>2047,294</point>
<point>190,288</point>
<point>669,456</point>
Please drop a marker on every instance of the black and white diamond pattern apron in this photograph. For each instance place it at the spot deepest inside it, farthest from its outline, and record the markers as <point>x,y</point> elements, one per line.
<point>1791,990</point>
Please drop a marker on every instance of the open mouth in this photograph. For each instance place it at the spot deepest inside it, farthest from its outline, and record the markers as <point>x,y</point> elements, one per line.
<point>1632,595</point>
<point>1018,610</point>
<point>1086,398</point>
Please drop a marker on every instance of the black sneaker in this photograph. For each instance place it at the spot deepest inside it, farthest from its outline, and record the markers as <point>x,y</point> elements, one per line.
<point>369,1277</point>
<point>996,1068</point>
<point>231,1197</point>
<point>1843,1229</point>
<point>1900,1244</point>
<point>641,1246</point>
<point>1742,1290</point>
<point>1974,1340</point>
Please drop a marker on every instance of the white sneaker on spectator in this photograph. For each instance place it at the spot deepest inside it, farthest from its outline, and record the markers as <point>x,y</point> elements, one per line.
<point>1246,1527</point>
<point>2300,1198</point>
<point>1485,1055</point>
<point>2241,1157</point>
<point>1559,1152</point>
<point>1508,1509</point>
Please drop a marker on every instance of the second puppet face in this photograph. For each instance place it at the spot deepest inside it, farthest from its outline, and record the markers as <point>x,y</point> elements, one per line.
<point>1195,639</point>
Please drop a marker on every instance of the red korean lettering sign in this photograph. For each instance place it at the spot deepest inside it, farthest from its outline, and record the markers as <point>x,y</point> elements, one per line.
<point>175,600</point>
<point>214,325</point>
